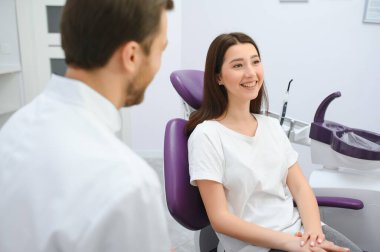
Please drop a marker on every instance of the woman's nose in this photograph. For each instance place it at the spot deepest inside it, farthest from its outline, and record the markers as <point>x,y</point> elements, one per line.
<point>250,70</point>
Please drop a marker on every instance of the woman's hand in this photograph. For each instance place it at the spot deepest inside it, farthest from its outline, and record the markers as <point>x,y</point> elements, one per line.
<point>294,245</point>
<point>313,238</point>
<point>328,247</point>
<point>324,246</point>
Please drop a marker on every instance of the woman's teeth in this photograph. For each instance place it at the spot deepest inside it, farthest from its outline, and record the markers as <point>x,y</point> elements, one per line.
<point>248,85</point>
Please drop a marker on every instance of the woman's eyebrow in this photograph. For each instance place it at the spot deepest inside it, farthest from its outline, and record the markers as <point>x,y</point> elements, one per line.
<point>241,59</point>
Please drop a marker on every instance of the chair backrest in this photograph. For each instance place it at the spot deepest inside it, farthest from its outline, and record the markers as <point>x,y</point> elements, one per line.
<point>183,200</point>
<point>189,85</point>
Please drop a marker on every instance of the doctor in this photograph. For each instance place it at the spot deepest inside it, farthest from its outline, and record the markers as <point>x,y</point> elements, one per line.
<point>67,183</point>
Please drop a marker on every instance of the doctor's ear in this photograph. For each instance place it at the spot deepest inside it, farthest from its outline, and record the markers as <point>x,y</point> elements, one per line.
<point>131,53</point>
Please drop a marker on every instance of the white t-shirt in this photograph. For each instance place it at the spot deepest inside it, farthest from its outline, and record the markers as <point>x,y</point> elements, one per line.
<point>68,184</point>
<point>253,172</point>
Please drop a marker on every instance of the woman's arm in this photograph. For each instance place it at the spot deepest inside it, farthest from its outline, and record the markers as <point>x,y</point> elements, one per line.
<point>223,221</point>
<point>306,203</point>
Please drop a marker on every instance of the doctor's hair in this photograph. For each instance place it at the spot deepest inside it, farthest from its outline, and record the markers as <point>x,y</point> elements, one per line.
<point>215,98</point>
<point>92,30</point>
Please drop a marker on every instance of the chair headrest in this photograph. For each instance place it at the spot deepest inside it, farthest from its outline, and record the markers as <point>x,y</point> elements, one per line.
<point>189,85</point>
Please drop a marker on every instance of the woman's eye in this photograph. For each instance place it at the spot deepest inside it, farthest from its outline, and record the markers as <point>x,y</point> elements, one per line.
<point>237,65</point>
<point>256,62</point>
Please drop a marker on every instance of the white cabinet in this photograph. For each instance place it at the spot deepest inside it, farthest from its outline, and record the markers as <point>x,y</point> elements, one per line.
<point>50,13</point>
<point>9,69</point>
<point>11,81</point>
<point>30,50</point>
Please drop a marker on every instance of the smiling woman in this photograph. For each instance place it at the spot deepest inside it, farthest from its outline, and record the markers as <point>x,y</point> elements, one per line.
<point>242,73</point>
<point>243,163</point>
<point>238,54</point>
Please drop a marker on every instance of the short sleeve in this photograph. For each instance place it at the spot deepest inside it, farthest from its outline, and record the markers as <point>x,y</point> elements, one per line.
<point>205,155</point>
<point>290,154</point>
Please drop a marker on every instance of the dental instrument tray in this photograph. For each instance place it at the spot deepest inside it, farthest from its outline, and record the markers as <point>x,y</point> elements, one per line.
<point>336,145</point>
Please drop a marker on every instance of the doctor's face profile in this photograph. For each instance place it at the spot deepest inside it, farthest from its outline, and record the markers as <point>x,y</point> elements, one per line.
<point>242,72</point>
<point>150,64</point>
<point>124,42</point>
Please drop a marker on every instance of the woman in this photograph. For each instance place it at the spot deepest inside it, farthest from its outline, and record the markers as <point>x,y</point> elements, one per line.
<point>244,165</point>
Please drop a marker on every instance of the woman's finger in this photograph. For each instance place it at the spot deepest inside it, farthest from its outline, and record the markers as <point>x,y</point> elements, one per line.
<point>321,238</point>
<point>305,237</point>
<point>298,234</point>
<point>313,240</point>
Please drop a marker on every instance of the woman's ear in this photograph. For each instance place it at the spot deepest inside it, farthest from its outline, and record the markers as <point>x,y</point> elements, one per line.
<point>219,79</point>
<point>131,56</point>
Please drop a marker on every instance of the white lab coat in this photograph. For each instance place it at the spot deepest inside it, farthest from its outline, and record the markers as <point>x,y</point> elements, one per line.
<point>67,183</point>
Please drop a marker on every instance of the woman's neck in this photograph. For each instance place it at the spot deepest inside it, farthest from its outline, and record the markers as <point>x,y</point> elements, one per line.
<point>240,119</point>
<point>237,112</point>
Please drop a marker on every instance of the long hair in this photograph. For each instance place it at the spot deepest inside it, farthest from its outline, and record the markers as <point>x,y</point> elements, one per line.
<point>215,99</point>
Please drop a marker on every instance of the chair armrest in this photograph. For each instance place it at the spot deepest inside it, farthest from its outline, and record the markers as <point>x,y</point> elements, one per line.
<point>340,202</point>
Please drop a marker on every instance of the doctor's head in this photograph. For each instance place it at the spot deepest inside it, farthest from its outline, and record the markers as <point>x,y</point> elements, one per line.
<point>233,73</point>
<point>128,36</point>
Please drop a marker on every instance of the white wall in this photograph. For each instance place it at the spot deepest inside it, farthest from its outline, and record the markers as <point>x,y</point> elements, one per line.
<point>161,103</point>
<point>322,44</point>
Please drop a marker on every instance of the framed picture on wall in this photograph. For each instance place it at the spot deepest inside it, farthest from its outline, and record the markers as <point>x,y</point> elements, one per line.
<point>372,11</point>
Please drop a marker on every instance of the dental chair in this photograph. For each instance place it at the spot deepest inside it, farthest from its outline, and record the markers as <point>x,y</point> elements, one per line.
<point>350,167</point>
<point>183,200</point>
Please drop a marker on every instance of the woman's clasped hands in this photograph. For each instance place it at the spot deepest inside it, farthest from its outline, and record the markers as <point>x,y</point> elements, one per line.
<point>315,242</point>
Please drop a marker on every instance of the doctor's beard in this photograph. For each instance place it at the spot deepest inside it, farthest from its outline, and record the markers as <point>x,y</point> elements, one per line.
<point>134,95</point>
<point>136,90</point>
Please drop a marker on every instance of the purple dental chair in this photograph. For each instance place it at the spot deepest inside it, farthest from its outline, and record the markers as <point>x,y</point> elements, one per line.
<point>183,200</point>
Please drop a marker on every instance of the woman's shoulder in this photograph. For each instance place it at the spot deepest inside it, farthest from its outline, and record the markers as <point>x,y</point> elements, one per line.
<point>269,124</point>
<point>267,120</point>
<point>206,128</point>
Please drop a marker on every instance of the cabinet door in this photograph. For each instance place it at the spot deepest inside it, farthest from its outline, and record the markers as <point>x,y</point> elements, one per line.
<point>47,16</point>
<point>56,56</point>
<point>41,53</point>
<point>11,90</point>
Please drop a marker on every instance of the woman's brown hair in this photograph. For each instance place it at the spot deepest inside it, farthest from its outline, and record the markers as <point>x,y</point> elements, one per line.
<point>215,99</point>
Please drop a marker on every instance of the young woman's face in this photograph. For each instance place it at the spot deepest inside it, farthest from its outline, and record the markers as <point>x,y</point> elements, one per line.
<point>242,72</point>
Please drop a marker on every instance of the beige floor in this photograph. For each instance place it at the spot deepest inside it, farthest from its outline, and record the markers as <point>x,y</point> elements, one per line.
<point>182,238</point>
